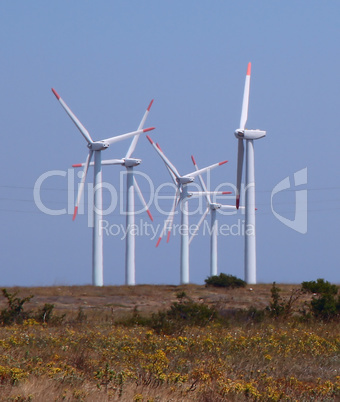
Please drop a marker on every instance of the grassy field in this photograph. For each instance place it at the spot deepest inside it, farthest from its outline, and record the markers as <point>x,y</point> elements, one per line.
<point>98,352</point>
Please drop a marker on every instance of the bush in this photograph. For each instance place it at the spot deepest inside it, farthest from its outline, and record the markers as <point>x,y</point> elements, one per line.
<point>320,287</point>
<point>324,305</point>
<point>14,313</point>
<point>183,313</point>
<point>225,281</point>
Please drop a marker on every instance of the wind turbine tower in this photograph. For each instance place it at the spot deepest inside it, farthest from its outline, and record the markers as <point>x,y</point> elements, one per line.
<point>243,134</point>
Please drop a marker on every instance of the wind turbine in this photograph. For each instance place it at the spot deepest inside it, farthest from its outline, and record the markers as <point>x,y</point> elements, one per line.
<point>243,134</point>
<point>212,207</point>
<point>181,196</point>
<point>131,185</point>
<point>95,147</point>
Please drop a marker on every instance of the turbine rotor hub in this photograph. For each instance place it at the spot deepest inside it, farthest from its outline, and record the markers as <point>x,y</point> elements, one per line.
<point>131,162</point>
<point>98,146</point>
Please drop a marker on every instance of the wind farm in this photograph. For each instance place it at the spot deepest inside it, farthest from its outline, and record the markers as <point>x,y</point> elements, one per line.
<point>180,199</point>
<point>129,272</point>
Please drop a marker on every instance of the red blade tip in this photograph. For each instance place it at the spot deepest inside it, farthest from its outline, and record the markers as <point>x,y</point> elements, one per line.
<point>193,160</point>
<point>158,146</point>
<point>55,93</point>
<point>158,241</point>
<point>227,192</point>
<point>150,216</point>
<point>149,139</point>
<point>249,69</point>
<point>148,129</point>
<point>149,107</point>
<point>75,213</point>
<point>168,238</point>
<point>77,165</point>
<point>222,163</point>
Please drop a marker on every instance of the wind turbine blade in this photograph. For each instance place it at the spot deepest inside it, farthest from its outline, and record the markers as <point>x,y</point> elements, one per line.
<point>172,214</point>
<point>244,114</point>
<point>82,183</point>
<point>200,171</point>
<point>204,187</point>
<point>168,221</point>
<point>240,155</point>
<point>173,177</point>
<point>164,158</point>
<point>199,224</point>
<point>140,127</point>
<point>229,207</point>
<point>122,137</point>
<point>140,195</point>
<point>113,162</point>
<point>200,193</point>
<point>75,120</point>
<point>106,162</point>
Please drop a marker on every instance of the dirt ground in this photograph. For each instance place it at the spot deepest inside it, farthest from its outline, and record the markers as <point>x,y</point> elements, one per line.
<point>118,300</point>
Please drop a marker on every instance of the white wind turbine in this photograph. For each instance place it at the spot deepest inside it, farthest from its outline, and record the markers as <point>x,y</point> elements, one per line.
<point>181,196</point>
<point>212,207</point>
<point>131,185</point>
<point>243,134</point>
<point>95,147</point>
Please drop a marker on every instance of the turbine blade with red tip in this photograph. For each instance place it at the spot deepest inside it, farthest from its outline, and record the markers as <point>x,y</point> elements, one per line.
<point>245,103</point>
<point>140,127</point>
<point>168,221</point>
<point>204,187</point>
<point>140,195</point>
<point>73,117</point>
<point>164,158</point>
<point>122,137</point>
<point>200,171</point>
<point>104,162</point>
<point>82,183</point>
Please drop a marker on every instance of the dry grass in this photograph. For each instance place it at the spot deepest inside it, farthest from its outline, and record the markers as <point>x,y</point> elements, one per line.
<point>97,360</point>
<point>117,300</point>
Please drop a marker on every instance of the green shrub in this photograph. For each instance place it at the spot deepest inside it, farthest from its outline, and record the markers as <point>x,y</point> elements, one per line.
<point>14,313</point>
<point>324,304</point>
<point>225,281</point>
<point>320,287</point>
<point>276,307</point>
<point>183,313</point>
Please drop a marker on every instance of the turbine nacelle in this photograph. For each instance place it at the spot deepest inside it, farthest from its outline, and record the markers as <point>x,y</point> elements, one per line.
<point>249,134</point>
<point>98,146</point>
<point>215,206</point>
<point>131,162</point>
<point>184,180</point>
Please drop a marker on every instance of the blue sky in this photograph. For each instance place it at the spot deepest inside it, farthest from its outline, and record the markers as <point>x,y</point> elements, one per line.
<point>108,60</point>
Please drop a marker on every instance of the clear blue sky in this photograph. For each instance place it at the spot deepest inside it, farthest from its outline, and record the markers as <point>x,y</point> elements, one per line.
<point>107,60</point>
